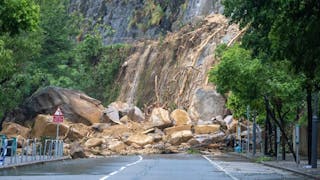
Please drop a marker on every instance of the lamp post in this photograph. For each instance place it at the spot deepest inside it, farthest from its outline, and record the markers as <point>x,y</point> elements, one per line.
<point>314,144</point>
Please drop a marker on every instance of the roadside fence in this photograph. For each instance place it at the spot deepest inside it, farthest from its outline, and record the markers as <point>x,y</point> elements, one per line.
<point>32,150</point>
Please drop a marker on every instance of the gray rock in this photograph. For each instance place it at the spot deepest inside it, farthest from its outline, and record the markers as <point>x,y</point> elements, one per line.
<point>100,126</point>
<point>206,104</point>
<point>135,114</point>
<point>76,151</point>
<point>111,114</point>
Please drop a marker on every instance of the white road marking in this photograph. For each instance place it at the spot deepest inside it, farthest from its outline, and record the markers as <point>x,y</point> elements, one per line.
<point>140,159</point>
<point>122,168</point>
<point>220,167</point>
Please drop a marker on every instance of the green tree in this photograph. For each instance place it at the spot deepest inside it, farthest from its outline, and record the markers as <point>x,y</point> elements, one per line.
<point>18,15</point>
<point>269,88</point>
<point>283,30</point>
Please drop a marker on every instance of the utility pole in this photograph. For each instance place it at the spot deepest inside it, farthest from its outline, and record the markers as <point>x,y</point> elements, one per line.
<point>248,130</point>
<point>314,144</point>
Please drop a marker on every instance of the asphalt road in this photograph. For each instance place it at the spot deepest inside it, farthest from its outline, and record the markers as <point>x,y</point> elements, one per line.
<point>150,167</point>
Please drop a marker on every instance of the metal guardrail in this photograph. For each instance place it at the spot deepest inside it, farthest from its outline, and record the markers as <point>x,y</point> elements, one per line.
<point>32,150</point>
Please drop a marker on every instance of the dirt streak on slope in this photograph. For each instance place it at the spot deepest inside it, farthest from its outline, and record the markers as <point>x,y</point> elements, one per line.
<point>173,67</point>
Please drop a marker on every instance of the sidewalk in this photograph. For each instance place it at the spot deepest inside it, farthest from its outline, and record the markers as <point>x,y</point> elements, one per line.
<point>289,165</point>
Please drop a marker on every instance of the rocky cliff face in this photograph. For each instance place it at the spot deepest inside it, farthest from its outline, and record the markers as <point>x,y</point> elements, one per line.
<point>136,19</point>
<point>174,70</point>
<point>173,42</point>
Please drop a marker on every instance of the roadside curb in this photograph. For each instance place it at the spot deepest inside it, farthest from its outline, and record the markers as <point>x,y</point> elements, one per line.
<point>291,170</point>
<point>280,167</point>
<point>34,163</point>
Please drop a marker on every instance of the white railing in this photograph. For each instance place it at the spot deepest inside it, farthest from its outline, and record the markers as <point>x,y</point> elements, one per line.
<point>32,150</point>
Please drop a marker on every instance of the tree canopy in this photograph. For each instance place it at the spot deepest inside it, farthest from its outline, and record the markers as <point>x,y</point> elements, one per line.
<point>58,48</point>
<point>18,15</point>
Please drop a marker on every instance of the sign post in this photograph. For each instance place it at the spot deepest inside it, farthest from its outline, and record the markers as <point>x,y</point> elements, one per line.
<point>58,118</point>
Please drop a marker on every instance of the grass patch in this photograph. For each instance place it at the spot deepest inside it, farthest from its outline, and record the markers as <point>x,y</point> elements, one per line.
<point>193,151</point>
<point>263,159</point>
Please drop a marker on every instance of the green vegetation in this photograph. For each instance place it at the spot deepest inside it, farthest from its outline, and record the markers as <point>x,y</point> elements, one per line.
<point>193,151</point>
<point>18,15</point>
<point>155,13</point>
<point>149,16</point>
<point>275,66</point>
<point>46,45</point>
<point>263,159</point>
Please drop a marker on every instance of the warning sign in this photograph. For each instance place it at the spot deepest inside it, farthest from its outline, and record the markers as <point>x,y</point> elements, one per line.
<point>58,116</point>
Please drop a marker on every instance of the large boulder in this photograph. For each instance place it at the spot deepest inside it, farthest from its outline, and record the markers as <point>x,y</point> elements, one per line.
<point>231,123</point>
<point>117,110</point>
<point>93,142</point>
<point>111,114</point>
<point>116,146</point>
<point>228,120</point>
<point>219,120</point>
<point>180,117</point>
<point>206,129</point>
<point>160,118</point>
<point>170,130</point>
<point>135,114</point>
<point>122,107</point>
<point>75,105</point>
<point>206,104</point>
<point>217,137</point>
<point>76,131</point>
<point>77,151</point>
<point>140,139</point>
<point>11,129</point>
<point>179,137</point>
<point>43,126</point>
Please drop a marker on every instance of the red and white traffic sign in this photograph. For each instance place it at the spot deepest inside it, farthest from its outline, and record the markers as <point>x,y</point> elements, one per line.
<point>58,116</point>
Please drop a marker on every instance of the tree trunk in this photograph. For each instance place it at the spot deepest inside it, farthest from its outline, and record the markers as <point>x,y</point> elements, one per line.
<point>275,141</point>
<point>266,134</point>
<point>283,133</point>
<point>270,137</point>
<point>283,143</point>
<point>309,107</point>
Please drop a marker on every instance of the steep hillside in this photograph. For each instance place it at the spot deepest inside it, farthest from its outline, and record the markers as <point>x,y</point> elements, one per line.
<point>170,70</point>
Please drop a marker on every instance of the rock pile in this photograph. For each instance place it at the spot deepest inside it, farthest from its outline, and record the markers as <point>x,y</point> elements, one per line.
<point>126,131</point>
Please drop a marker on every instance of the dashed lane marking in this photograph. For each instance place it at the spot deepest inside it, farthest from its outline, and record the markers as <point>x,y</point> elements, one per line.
<point>122,168</point>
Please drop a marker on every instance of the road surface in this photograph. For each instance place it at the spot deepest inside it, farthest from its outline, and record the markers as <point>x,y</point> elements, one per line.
<point>150,167</point>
